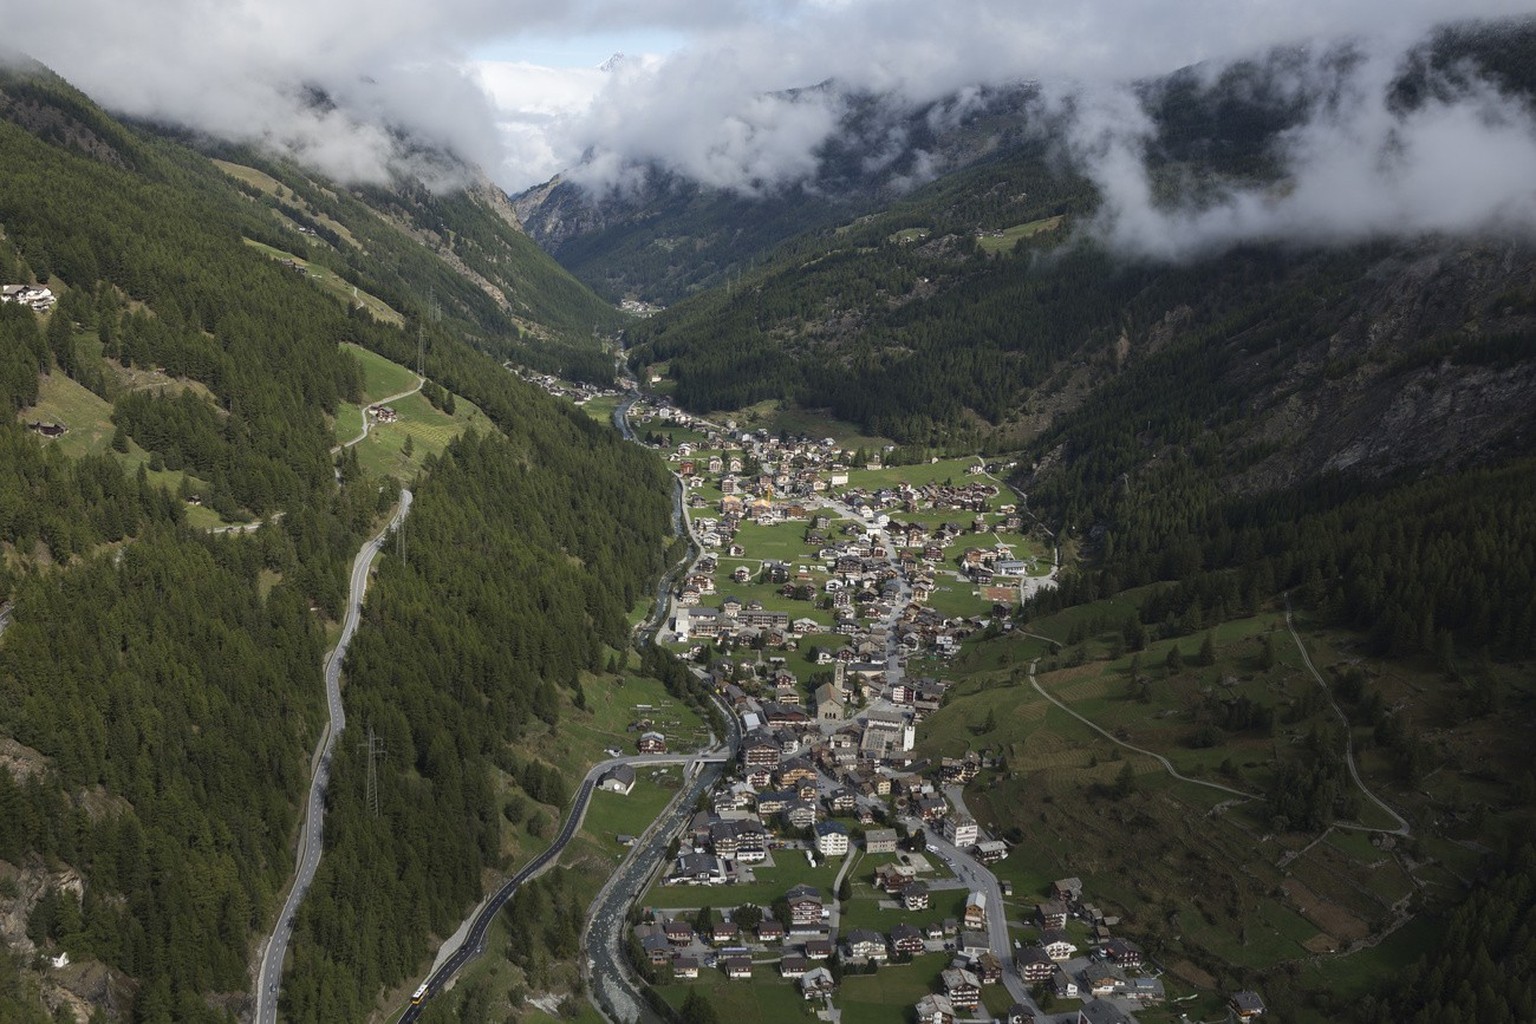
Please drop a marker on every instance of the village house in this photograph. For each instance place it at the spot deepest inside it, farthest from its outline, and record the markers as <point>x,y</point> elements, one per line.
<point>678,933</point>
<point>804,906</point>
<point>867,944</point>
<point>654,944</point>
<point>652,743</point>
<point>1245,1006</point>
<point>796,771</point>
<point>935,1009</point>
<point>907,940</point>
<point>1034,964</point>
<point>1068,890</point>
<point>697,869</point>
<point>36,297</point>
<point>817,983</point>
<point>990,851</point>
<point>618,779</point>
<point>760,751</point>
<point>1051,914</point>
<point>1103,979</point>
<point>831,839</point>
<point>975,916</point>
<point>880,840</point>
<point>961,830</point>
<point>685,967</point>
<point>1123,952</point>
<point>1100,1011</point>
<point>972,944</point>
<point>737,967</point>
<point>914,896</point>
<point>962,987</point>
<point>801,814</point>
<point>893,878</point>
<point>1056,944</point>
<point>793,967</point>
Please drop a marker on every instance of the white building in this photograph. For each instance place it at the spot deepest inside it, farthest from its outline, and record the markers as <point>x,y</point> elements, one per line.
<point>961,830</point>
<point>831,839</point>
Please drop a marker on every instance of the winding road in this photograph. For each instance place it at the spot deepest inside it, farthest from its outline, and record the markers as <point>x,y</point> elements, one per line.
<point>269,973</point>
<point>1349,738</point>
<point>473,943</point>
<point>383,401</point>
<point>1159,758</point>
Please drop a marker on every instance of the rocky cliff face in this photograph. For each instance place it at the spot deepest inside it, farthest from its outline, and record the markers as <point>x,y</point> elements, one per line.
<point>1432,367</point>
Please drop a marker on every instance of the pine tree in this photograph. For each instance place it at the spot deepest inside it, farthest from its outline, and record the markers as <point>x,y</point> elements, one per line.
<point>1207,650</point>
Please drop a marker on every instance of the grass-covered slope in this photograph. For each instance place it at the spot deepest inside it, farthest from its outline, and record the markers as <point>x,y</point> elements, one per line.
<point>458,256</point>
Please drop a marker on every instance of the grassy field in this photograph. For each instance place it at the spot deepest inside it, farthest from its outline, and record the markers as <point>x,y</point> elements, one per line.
<point>382,452</point>
<point>1005,240</point>
<point>775,418</point>
<point>1201,873</point>
<point>889,994</point>
<point>349,422</point>
<point>614,710</point>
<point>614,814</point>
<point>381,377</point>
<point>271,186</point>
<point>766,999</point>
<point>601,408</point>
<point>332,284</point>
<point>89,422</point>
<point>950,470</point>
<point>789,869</point>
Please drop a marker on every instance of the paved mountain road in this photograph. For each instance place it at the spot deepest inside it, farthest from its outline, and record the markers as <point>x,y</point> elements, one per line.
<point>269,972</point>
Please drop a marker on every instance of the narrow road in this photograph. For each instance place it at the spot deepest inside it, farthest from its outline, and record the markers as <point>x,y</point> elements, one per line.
<point>1159,758</point>
<point>1349,738</point>
<point>250,527</point>
<point>270,971</point>
<point>383,401</point>
<point>480,923</point>
<point>611,987</point>
<point>979,879</point>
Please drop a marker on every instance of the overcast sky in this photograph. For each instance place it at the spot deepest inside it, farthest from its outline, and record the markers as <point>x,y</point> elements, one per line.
<point>514,85</point>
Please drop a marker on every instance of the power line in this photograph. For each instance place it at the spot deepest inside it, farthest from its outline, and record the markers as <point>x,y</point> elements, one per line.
<point>376,749</point>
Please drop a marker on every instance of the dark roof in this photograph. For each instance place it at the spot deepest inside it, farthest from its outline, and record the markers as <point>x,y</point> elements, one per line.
<point>1098,1011</point>
<point>1248,1002</point>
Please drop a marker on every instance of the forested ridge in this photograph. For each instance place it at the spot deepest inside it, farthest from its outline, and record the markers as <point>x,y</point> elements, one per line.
<point>522,558</point>
<point>967,314</point>
<point>165,681</point>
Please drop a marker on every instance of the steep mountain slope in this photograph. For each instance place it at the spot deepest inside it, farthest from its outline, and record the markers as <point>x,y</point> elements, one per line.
<point>464,250</point>
<point>976,312</point>
<point>159,683</point>
<point>662,237</point>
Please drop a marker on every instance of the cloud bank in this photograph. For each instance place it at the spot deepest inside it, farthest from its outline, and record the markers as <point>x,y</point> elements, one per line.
<point>356,87</point>
<point>1464,161</point>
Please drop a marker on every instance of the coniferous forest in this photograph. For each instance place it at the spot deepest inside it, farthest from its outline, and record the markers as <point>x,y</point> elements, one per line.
<point>164,681</point>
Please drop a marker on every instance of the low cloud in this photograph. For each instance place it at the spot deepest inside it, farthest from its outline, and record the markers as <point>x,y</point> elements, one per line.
<point>1357,167</point>
<point>361,90</point>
